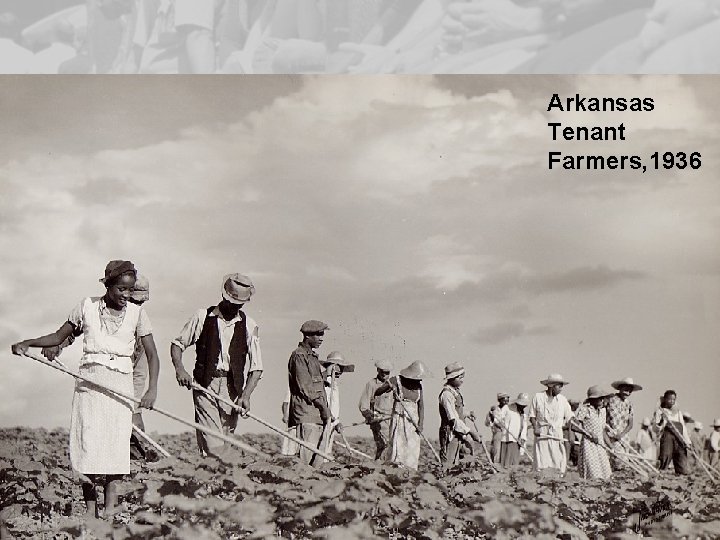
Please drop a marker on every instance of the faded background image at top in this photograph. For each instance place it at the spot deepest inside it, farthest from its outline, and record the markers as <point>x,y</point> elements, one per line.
<point>359,36</point>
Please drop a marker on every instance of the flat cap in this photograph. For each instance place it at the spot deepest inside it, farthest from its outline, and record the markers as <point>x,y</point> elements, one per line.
<point>310,327</point>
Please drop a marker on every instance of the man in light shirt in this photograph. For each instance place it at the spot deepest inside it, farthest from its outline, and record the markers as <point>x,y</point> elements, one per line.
<point>494,419</point>
<point>713,444</point>
<point>377,409</point>
<point>228,360</point>
<point>549,413</point>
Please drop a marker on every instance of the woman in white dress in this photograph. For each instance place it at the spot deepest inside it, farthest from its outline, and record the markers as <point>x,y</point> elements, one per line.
<point>408,415</point>
<point>101,422</point>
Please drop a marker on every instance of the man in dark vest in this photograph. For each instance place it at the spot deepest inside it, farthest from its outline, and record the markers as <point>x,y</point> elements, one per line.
<point>309,409</point>
<point>228,360</point>
<point>455,434</point>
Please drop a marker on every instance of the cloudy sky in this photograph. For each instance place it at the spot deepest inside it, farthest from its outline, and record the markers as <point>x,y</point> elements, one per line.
<point>415,215</point>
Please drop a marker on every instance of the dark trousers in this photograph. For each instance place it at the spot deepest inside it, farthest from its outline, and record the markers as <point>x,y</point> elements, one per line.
<point>673,451</point>
<point>381,434</point>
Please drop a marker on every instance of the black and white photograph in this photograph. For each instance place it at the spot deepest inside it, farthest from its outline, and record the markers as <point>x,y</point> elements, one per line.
<point>355,307</point>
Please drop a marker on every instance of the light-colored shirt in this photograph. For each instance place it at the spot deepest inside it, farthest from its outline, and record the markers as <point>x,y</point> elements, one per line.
<point>382,404</point>
<point>448,401</point>
<point>550,413</point>
<point>332,392</point>
<point>715,441</point>
<point>659,419</point>
<point>192,329</point>
<point>495,417</point>
<point>109,339</point>
<point>516,426</point>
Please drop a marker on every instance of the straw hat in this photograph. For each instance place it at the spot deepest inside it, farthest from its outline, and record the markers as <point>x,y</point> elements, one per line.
<point>699,426</point>
<point>141,291</point>
<point>338,359</point>
<point>415,371</point>
<point>598,391</point>
<point>627,381</point>
<point>454,370</point>
<point>646,421</point>
<point>237,289</point>
<point>554,378</point>
<point>687,417</point>
<point>716,422</point>
<point>384,365</point>
<point>522,399</point>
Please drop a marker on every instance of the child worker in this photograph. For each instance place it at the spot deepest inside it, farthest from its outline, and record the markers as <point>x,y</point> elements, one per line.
<point>590,420</point>
<point>101,422</point>
<point>454,432</point>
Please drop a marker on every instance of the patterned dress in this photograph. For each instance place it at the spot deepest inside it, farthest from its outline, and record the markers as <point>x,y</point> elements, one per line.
<point>404,448</point>
<point>593,461</point>
<point>619,415</point>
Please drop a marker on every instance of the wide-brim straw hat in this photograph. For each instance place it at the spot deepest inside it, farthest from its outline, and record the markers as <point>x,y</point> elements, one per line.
<point>384,365</point>
<point>598,391</point>
<point>416,371</point>
<point>627,381</point>
<point>237,288</point>
<point>338,359</point>
<point>554,378</point>
<point>522,399</point>
<point>454,370</point>
<point>716,422</point>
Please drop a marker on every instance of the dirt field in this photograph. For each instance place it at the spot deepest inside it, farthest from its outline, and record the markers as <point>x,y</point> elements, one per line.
<point>189,498</point>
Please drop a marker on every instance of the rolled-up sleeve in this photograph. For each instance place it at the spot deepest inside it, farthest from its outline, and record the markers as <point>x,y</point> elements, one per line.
<point>76,317</point>
<point>191,331</point>
<point>254,354</point>
<point>144,328</point>
<point>447,402</point>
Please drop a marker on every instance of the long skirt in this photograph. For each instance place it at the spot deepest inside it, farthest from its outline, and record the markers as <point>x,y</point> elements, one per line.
<point>593,461</point>
<point>550,454</point>
<point>404,447</point>
<point>101,423</point>
<point>509,454</point>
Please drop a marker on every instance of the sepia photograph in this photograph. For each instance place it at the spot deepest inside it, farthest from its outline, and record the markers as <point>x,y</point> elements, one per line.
<point>323,306</point>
